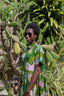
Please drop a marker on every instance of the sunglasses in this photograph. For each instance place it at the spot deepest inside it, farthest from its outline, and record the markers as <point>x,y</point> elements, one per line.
<point>29,34</point>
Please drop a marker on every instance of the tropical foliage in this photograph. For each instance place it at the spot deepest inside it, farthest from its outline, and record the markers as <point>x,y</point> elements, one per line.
<point>49,14</point>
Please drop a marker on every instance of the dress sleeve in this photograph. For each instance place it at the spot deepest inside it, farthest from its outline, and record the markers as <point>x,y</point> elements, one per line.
<point>40,56</point>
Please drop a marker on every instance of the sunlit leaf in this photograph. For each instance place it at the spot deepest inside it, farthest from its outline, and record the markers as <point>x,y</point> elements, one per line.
<point>49,13</point>
<point>27,6</point>
<point>40,22</point>
<point>37,10</point>
<point>55,23</point>
<point>62,8</point>
<point>53,64</point>
<point>40,37</point>
<point>52,38</point>
<point>36,4</point>
<point>8,43</point>
<point>51,21</point>
<point>7,1</point>
<point>16,5</point>
<point>55,31</point>
<point>0,47</point>
<point>48,40</point>
<point>4,16</point>
<point>1,4</point>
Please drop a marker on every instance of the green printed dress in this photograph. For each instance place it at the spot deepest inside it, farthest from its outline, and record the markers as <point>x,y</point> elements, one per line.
<point>32,56</point>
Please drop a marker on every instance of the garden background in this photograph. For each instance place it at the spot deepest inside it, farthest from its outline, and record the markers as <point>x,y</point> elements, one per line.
<point>49,15</point>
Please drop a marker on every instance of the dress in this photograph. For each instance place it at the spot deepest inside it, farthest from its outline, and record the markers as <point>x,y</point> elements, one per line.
<point>32,55</point>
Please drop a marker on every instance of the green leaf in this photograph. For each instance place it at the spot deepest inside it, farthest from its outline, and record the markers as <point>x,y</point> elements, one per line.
<point>4,35</point>
<point>55,23</point>
<point>52,38</point>
<point>61,43</point>
<point>15,38</point>
<point>55,31</point>
<point>7,1</point>
<point>61,12</point>
<point>51,21</point>
<point>2,24</point>
<point>36,4</point>
<point>1,4</point>
<point>41,15</point>
<point>40,37</point>
<point>19,35</point>
<point>43,7</point>
<point>53,65</point>
<point>12,24</point>
<point>56,38</point>
<point>7,33</point>
<point>45,27</point>
<point>40,22</point>
<point>28,18</point>
<point>49,13</point>
<point>27,6</point>
<point>13,15</point>
<point>44,2</point>
<point>60,27</point>
<point>62,8</point>
<point>22,19</point>
<point>10,8</point>
<point>16,5</point>
<point>23,43</point>
<point>37,10</point>
<point>0,47</point>
<point>4,16</point>
<point>21,31</point>
<point>1,11</point>
<point>48,40</point>
<point>8,43</point>
<point>36,18</point>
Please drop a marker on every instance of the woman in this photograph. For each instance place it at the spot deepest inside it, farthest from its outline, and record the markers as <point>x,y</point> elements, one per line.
<point>33,81</point>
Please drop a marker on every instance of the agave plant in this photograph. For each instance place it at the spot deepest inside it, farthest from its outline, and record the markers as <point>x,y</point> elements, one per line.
<point>47,14</point>
<point>55,82</point>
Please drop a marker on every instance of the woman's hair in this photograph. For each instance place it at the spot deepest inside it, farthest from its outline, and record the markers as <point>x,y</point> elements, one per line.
<point>35,28</point>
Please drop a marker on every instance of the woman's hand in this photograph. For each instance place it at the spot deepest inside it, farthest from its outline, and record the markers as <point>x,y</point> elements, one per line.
<point>26,94</point>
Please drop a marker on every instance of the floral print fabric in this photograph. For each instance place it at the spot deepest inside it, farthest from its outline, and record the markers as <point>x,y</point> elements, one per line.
<point>32,56</point>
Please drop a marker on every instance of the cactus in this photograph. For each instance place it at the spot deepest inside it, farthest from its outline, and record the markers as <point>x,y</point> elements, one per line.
<point>7,33</point>
<point>2,24</point>
<point>55,55</point>
<point>49,56</point>
<point>12,24</point>
<point>16,48</point>
<point>47,47</point>
<point>15,38</point>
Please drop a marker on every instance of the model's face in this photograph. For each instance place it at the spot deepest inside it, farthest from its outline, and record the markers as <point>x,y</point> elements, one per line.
<point>30,36</point>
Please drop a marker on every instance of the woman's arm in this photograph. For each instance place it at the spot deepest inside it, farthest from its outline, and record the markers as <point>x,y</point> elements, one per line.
<point>34,78</point>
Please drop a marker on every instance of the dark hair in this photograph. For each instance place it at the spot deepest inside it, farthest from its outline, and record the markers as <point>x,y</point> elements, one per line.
<point>35,28</point>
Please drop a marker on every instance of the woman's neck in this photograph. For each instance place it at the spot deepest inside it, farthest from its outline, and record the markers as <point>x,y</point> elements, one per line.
<point>32,42</point>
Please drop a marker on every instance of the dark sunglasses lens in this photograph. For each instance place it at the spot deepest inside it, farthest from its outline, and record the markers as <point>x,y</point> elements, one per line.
<point>30,34</point>
<point>25,34</point>
<point>15,84</point>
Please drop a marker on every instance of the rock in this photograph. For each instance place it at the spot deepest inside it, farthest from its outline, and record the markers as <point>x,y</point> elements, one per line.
<point>3,93</point>
<point>1,84</point>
